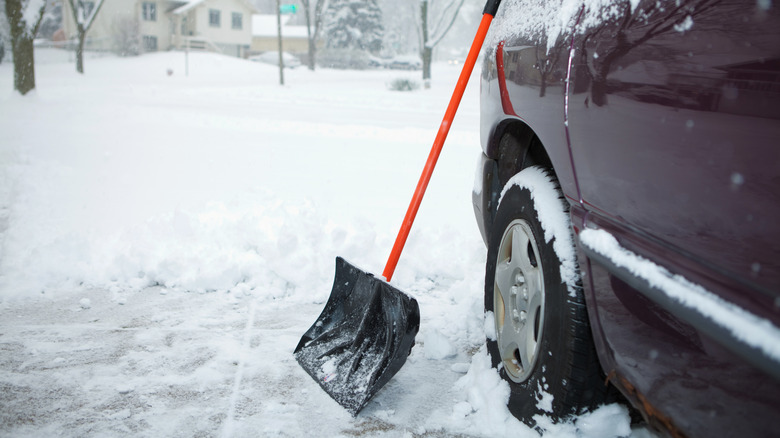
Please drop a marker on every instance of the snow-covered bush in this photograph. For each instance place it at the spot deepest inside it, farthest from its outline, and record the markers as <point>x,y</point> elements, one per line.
<point>403,84</point>
<point>126,36</point>
<point>346,59</point>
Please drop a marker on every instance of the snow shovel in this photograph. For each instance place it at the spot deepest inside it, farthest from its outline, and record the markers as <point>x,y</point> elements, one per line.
<point>366,331</point>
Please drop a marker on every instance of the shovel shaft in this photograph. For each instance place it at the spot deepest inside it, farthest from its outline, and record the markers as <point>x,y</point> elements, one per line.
<point>438,143</point>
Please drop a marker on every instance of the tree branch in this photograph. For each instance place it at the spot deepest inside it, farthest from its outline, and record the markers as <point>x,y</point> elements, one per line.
<point>40,20</point>
<point>436,40</point>
<point>94,13</point>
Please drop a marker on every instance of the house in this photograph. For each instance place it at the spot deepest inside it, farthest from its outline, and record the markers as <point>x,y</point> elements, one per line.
<point>265,35</point>
<point>220,25</point>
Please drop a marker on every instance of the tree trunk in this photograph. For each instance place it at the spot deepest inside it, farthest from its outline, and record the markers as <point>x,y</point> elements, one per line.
<point>318,8</point>
<point>24,64</point>
<point>598,89</point>
<point>307,11</point>
<point>21,47</point>
<point>80,51</point>
<point>427,57</point>
<point>427,52</point>
<point>312,53</point>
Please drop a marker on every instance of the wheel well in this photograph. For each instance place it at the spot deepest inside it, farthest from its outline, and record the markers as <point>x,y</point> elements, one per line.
<point>516,147</point>
<point>513,147</point>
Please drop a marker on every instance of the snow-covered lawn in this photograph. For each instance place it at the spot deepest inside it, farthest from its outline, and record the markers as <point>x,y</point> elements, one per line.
<point>165,240</point>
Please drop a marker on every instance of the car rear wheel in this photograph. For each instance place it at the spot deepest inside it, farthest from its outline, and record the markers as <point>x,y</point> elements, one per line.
<point>542,343</point>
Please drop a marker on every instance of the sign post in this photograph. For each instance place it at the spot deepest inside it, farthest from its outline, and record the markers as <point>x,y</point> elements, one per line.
<point>279,28</point>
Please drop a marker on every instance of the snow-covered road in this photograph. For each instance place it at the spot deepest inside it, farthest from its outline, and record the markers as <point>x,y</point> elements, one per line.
<point>166,240</point>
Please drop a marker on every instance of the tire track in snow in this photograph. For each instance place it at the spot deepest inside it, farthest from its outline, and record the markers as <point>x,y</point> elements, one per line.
<point>227,431</point>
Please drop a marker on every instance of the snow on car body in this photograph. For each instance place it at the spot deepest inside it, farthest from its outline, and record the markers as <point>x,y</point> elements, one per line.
<point>659,123</point>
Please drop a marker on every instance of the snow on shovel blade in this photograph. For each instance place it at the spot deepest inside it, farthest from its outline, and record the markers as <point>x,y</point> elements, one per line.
<point>361,339</point>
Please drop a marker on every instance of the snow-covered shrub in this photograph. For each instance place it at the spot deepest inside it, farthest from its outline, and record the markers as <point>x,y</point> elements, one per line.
<point>345,59</point>
<point>403,84</point>
<point>126,36</point>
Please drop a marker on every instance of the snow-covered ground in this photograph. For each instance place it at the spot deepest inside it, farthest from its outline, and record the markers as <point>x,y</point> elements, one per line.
<point>165,240</point>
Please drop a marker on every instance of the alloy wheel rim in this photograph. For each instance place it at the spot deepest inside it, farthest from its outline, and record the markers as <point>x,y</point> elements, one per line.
<point>518,300</point>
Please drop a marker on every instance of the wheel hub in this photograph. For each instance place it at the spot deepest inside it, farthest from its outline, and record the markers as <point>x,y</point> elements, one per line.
<point>518,297</point>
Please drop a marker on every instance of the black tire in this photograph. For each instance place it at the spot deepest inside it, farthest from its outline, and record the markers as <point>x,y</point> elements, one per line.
<point>543,344</point>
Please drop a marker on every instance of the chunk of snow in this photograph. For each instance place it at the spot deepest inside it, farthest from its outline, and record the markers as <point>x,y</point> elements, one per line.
<point>608,421</point>
<point>544,399</point>
<point>328,370</point>
<point>124,389</point>
<point>685,26</point>
<point>490,326</point>
<point>486,397</point>
<point>437,346</point>
<point>460,368</point>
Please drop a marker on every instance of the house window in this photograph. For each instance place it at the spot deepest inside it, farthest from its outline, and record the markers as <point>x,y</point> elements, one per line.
<point>237,22</point>
<point>150,43</point>
<point>214,17</point>
<point>149,11</point>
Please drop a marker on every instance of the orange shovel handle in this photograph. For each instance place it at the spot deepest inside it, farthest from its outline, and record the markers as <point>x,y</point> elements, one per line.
<point>438,143</point>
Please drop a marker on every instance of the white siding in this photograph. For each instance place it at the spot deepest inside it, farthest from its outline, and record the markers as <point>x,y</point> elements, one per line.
<point>107,21</point>
<point>225,34</point>
<point>167,26</point>
<point>160,28</point>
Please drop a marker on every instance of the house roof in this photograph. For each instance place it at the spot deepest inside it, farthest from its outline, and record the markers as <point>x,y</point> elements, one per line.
<point>189,4</point>
<point>264,25</point>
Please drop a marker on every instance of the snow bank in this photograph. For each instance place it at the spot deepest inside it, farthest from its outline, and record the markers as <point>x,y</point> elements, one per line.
<point>483,398</point>
<point>201,187</point>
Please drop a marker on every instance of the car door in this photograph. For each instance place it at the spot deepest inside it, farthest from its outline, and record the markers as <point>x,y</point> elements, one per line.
<point>674,127</point>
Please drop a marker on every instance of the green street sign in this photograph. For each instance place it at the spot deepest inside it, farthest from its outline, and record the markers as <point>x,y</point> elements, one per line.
<point>288,9</point>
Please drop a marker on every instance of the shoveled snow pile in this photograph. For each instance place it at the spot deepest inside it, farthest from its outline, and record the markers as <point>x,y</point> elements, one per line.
<point>166,240</point>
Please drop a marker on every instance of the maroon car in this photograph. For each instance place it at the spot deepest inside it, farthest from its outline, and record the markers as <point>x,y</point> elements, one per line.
<point>630,201</point>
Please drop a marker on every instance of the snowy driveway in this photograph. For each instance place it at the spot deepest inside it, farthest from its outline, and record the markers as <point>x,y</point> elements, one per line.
<point>182,364</point>
<point>165,241</point>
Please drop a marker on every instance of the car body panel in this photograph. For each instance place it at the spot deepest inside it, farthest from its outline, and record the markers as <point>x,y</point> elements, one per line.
<point>672,145</point>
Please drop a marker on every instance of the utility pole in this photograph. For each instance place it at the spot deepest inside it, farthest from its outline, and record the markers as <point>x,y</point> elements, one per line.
<point>186,56</point>
<point>279,27</point>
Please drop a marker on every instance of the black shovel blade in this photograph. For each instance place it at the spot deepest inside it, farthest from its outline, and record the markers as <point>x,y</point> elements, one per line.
<point>361,339</point>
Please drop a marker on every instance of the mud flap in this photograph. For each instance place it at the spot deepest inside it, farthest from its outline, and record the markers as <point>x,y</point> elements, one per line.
<point>361,339</point>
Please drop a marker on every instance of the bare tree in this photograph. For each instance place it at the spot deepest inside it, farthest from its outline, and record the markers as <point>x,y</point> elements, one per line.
<point>24,18</point>
<point>548,61</point>
<point>436,19</point>
<point>84,14</point>
<point>632,28</point>
<point>52,20</point>
<point>313,34</point>
<point>5,34</point>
